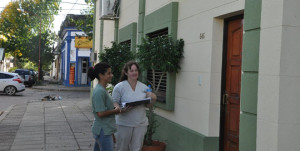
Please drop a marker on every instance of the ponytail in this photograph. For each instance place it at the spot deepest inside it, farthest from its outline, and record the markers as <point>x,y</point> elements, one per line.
<point>101,67</point>
<point>91,73</point>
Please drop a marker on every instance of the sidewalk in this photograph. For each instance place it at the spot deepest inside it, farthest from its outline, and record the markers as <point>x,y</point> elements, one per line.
<point>56,87</point>
<point>47,126</point>
<point>51,84</point>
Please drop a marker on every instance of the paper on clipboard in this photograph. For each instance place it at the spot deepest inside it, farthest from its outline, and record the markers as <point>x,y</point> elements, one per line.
<point>135,103</point>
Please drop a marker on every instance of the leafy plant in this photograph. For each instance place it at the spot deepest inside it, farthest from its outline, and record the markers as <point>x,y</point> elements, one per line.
<point>86,24</point>
<point>162,54</point>
<point>151,126</point>
<point>116,56</point>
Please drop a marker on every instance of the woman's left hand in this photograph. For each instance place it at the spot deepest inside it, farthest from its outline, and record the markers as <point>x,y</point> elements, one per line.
<point>151,95</point>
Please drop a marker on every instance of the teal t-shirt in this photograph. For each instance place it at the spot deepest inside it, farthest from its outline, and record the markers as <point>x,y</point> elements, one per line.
<point>102,101</point>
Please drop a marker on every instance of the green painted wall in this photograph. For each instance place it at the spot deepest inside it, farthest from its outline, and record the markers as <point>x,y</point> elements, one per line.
<point>141,20</point>
<point>179,138</point>
<point>129,33</point>
<point>101,35</point>
<point>165,17</point>
<point>249,84</point>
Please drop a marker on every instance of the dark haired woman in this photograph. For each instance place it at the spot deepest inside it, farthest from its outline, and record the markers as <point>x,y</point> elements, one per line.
<point>103,109</point>
<point>131,125</point>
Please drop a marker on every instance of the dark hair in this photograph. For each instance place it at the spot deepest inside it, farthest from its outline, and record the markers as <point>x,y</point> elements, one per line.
<point>127,67</point>
<point>101,67</point>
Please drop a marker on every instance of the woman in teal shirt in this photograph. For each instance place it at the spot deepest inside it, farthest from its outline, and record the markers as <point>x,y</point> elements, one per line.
<point>104,124</point>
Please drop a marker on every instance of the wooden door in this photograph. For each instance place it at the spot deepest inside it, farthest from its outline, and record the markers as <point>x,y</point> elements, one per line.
<point>231,97</point>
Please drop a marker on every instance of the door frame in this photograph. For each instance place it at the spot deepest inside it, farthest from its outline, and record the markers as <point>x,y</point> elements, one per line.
<point>223,79</point>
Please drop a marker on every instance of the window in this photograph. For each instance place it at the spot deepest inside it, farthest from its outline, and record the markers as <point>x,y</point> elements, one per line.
<point>161,93</point>
<point>5,76</point>
<point>160,32</point>
<point>128,43</point>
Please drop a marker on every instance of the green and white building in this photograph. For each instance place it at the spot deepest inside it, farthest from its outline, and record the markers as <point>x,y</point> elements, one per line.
<point>239,83</point>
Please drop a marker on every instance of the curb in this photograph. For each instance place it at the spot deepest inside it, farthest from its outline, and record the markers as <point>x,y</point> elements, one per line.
<point>6,112</point>
<point>63,89</point>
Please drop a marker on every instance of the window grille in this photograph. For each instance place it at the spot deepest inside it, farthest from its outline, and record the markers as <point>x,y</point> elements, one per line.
<point>161,93</point>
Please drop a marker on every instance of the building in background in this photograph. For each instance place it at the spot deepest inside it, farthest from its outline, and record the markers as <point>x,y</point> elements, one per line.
<point>75,52</point>
<point>55,70</point>
<point>239,83</point>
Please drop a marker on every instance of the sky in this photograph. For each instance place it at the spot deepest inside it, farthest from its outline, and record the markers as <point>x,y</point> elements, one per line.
<point>67,7</point>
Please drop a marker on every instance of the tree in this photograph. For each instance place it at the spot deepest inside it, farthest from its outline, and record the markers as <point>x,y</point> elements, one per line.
<point>162,54</point>
<point>47,42</point>
<point>87,24</point>
<point>117,56</point>
<point>21,22</point>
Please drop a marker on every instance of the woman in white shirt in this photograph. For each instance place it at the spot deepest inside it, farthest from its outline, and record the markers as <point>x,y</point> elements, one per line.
<point>132,122</point>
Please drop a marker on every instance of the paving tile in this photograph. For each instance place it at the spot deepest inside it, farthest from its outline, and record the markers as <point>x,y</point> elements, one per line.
<point>43,126</point>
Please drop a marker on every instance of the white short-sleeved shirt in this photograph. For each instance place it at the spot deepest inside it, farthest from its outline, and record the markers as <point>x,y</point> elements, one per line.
<point>123,93</point>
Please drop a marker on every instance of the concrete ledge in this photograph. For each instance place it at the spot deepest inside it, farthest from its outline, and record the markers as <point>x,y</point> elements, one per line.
<point>61,88</point>
<point>3,115</point>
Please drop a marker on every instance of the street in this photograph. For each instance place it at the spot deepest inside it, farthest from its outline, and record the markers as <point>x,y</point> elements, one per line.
<point>31,94</point>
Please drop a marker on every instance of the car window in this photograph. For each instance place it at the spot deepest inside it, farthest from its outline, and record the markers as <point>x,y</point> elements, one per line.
<point>2,76</point>
<point>5,76</point>
<point>22,72</point>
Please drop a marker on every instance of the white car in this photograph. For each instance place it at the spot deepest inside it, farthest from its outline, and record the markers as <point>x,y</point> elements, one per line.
<point>11,83</point>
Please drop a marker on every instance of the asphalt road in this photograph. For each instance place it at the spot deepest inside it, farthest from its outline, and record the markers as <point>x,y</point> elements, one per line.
<point>36,95</point>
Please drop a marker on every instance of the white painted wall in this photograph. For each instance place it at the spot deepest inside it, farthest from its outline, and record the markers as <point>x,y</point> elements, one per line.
<point>77,33</point>
<point>197,106</point>
<point>84,52</point>
<point>278,120</point>
<point>97,28</point>
<point>108,32</point>
<point>129,12</point>
<point>72,50</point>
<point>202,59</point>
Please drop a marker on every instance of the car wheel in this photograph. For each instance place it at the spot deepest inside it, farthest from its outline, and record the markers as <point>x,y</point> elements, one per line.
<point>10,90</point>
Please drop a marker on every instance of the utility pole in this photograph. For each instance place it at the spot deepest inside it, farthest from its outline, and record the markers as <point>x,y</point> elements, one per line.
<point>40,50</point>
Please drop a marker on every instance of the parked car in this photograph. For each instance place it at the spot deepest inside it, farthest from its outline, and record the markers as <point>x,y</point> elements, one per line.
<point>27,75</point>
<point>11,83</point>
<point>34,74</point>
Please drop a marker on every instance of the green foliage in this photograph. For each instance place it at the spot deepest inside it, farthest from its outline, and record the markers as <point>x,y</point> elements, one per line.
<point>151,127</point>
<point>117,56</point>
<point>12,69</point>
<point>22,22</point>
<point>87,24</point>
<point>162,54</point>
<point>109,88</point>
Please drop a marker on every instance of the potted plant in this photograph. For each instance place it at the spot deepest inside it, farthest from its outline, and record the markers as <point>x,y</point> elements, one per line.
<point>162,54</point>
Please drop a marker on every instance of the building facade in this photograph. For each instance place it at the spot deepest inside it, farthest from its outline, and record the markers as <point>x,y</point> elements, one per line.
<point>75,54</point>
<point>239,84</point>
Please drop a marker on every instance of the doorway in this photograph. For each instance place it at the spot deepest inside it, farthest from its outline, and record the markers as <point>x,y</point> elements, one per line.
<point>231,84</point>
<point>83,68</point>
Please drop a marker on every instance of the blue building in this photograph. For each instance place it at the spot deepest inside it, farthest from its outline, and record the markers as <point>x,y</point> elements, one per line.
<point>75,54</point>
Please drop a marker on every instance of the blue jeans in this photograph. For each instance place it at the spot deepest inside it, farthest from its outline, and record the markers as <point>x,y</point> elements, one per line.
<point>103,142</point>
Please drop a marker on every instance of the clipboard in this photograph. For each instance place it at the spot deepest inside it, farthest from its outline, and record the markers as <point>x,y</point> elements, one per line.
<point>136,103</point>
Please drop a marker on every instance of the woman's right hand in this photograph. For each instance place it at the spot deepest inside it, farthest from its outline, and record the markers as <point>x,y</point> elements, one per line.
<point>126,109</point>
<point>117,109</point>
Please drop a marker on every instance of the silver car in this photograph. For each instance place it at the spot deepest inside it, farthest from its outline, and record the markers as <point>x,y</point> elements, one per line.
<point>11,83</point>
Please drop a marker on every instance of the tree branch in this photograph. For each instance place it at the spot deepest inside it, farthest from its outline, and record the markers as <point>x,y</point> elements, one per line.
<point>161,76</point>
